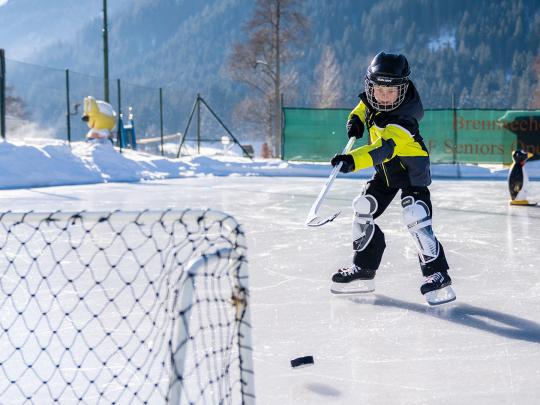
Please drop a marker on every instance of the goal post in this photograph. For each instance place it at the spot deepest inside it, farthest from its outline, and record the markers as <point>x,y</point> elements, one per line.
<point>124,307</point>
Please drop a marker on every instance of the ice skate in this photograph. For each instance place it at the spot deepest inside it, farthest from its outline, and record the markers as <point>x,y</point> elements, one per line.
<point>437,289</point>
<point>353,280</point>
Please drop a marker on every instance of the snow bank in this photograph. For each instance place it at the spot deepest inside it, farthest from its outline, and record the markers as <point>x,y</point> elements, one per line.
<point>55,163</point>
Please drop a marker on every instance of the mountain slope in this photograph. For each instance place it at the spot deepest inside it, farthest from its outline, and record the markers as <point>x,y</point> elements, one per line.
<point>481,53</point>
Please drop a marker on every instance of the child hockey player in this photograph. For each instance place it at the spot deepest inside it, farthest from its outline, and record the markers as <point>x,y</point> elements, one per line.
<point>390,109</point>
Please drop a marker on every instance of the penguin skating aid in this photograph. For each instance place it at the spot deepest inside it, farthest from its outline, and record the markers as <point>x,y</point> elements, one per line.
<point>518,180</point>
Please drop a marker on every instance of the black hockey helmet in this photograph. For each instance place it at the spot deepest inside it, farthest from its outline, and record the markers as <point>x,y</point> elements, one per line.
<point>387,70</point>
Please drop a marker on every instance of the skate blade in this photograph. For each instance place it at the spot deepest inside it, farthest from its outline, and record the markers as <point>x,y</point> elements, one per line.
<point>441,296</point>
<point>354,287</point>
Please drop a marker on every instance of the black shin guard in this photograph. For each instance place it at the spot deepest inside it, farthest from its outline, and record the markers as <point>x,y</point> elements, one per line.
<point>370,257</point>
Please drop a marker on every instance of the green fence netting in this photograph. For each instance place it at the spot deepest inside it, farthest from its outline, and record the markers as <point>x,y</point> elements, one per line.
<point>452,136</point>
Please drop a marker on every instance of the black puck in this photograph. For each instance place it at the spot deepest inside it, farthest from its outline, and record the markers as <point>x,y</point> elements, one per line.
<point>302,361</point>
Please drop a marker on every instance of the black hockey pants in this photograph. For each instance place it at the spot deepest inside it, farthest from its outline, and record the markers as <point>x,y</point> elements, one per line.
<point>370,257</point>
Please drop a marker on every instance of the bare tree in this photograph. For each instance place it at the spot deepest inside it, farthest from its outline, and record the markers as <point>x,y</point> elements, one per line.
<point>274,31</point>
<point>328,89</point>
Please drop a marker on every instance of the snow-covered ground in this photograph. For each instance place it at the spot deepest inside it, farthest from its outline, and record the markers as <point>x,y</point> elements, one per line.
<point>55,163</point>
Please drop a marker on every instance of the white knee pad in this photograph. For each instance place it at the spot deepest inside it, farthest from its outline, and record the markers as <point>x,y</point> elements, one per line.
<point>364,206</point>
<point>416,216</point>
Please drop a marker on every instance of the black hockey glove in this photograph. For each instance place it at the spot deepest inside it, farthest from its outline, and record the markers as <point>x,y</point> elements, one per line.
<point>348,163</point>
<point>355,127</point>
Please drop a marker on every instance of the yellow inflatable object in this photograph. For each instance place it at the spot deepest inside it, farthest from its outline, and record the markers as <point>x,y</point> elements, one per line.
<point>100,118</point>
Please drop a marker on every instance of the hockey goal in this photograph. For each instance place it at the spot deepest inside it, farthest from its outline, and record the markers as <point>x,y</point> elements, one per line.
<point>124,308</point>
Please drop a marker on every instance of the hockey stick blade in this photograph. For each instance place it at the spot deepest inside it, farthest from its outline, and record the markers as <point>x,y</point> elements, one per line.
<point>317,221</point>
<point>313,218</point>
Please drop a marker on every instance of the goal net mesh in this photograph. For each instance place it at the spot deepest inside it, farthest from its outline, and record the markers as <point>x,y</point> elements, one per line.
<point>124,308</point>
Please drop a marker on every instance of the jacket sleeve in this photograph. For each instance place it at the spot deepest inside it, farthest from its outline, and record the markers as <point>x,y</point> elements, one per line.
<point>374,154</point>
<point>395,140</point>
<point>360,112</point>
<point>404,138</point>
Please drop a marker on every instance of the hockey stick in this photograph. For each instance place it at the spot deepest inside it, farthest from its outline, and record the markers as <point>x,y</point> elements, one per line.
<point>313,219</point>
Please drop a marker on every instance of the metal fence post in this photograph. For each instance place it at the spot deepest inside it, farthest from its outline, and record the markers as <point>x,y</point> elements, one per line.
<point>198,123</point>
<point>454,125</point>
<point>119,122</point>
<point>3,94</point>
<point>105,53</point>
<point>184,135</point>
<point>454,121</point>
<point>161,119</point>
<point>281,129</point>
<point>68,108</point>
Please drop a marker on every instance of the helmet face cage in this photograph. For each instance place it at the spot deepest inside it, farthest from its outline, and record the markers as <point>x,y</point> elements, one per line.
<point>402,87</point>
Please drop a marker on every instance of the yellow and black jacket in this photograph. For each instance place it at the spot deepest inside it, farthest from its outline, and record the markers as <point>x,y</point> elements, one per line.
<point>395,147</point>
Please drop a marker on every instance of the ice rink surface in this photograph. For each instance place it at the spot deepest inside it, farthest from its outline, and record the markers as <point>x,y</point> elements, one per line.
<point>388,347</point>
